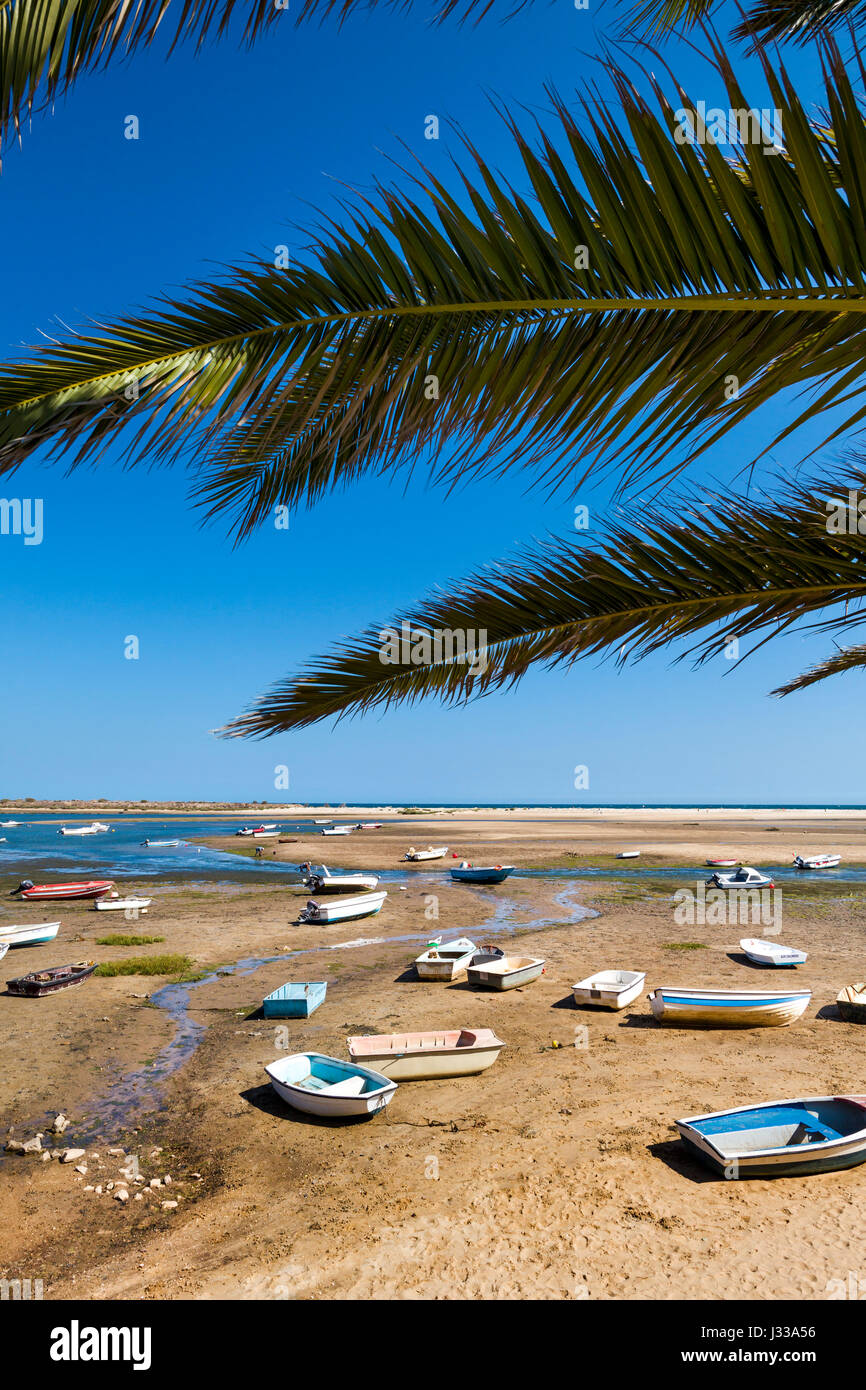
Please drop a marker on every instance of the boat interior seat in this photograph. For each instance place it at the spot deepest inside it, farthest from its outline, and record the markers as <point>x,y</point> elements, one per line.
<point>352,1086</point>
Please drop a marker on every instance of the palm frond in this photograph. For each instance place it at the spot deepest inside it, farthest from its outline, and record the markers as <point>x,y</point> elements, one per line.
<point>45,45</point>
<point>768,21</point>
<point>599,318</point>
<point>706,569</point>
<point>843,659</point>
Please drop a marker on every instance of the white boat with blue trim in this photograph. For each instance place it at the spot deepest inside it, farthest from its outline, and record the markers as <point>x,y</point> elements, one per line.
<point>780,1138</point>
<point>321,1085</point>
<point>729,1008</point>
<point>764,952</point>
<point>744,877</point>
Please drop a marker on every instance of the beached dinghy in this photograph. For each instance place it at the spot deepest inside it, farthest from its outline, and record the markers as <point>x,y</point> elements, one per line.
<point>323,1085</point>
<point>369,825</point>
<point>431,852</point>
<point>610,989</point>
<point>41,982</point>
<point>510,972</point>
<point>122,904</point>
<point>296,1000</point>
<point>723,863</point>
<point>343,909</point>
<point>48,892</point>
<point>629,854</point>
<point>729,1008</point>
<point>4,947</point>
<point>764,952</point>
<point>426,1056</point>
<point>817,861</point>
<point>35,935</point>
<point>781,1138</point>
<point>338,830</point>
<point>495,873</point>
<point>326,882</point>
<point>851,1003</point>
<point>743,878</point>
<point>445,960</point>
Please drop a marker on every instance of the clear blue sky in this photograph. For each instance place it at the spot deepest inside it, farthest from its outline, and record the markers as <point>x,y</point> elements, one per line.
<point>235,147</point>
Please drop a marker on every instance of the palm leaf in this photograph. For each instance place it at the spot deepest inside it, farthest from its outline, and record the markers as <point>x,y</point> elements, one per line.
<point>45,45</point>
<point>769,21</point>
<point>704,570</point>
<point>843,659</point>
<point>281,384</point>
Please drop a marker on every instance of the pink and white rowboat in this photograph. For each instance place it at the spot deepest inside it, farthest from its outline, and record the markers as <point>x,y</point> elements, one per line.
<point>47,892</point>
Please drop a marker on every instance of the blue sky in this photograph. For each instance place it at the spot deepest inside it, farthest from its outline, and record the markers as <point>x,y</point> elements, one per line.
<point>235,148</point>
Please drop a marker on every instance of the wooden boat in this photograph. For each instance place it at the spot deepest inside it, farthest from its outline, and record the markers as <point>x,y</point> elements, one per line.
<point>629,854</point>
<point>57,977</point>
<point>297,1000</point>
<point>344,909</point>
<point>510,972</point>
<point>744,877</point>
<point>445,960</point>
<point>467,873</point>
<point>610,989</point>
<point>425,1056</point>
<point>851,1003</point>
<point>338,830</point>
<point>764,952</point>
<point>723,863</point>
<point>35,935</point>
<point>326,882</point>
<point>122,904</point>
<point>817,861</point>
<point>56,892</point>
<point>431,852</point>
<point>781,1138</point>
<point>729,1008</point>
<point>96,828</point>
<point>322,1085</point>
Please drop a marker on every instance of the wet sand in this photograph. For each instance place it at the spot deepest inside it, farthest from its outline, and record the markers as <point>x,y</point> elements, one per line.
<point>554,1174</point>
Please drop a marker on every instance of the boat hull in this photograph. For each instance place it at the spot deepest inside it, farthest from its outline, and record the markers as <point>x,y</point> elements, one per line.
<point>352,910</point>
<point>63,892</point>
<point>728,1008</point>
<point>852,1010</point>
<point>295,1000</point>
<point>766,953</point>
<point>39,983</point>
<point>29,936</point>
<point>482,875</point>
<point>422,1059</point>
<point>122,904</point>
<point>325,1102</point>
<point>602,993</point>
<point>734,1160</point>
<point>488,977</point>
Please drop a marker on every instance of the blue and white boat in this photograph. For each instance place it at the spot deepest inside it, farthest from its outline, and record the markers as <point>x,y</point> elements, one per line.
<point>295,1000</point>
<point>468,873</point>
<point>160,844</point>
<point>764,952</point>
<point>781,1138</point>
<point>729,1008</point>
<point>35,934</point>
<point>322,1085</point>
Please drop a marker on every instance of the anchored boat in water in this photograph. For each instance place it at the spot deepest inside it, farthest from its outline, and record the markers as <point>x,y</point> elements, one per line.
<point>95,828</point>
<point>781,1138</point>
<point>494,873</point>
<point>729,1008</point>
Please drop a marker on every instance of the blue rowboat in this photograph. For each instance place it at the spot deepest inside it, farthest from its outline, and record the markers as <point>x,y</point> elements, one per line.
<point>729,1008</point>
<point>781,1138</point>
<point>465,873</point>
<point>297,1000</point>
<point>322,1085</point>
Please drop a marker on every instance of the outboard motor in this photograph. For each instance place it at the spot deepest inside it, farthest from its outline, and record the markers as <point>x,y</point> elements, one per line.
<point>25,883</point>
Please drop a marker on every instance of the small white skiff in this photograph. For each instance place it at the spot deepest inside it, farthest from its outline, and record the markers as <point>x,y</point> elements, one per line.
<point>122,904</point>
<point>610,989</point>
<point>508,973</point>
<point>343,909</point>
<point>424,1056</point>
<point>322,1085</point>
<point>445,960</point>
<point>764,952</point>
<point>431,852</point>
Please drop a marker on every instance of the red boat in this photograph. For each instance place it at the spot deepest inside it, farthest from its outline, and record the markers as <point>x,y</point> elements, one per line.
<point>48,892</point>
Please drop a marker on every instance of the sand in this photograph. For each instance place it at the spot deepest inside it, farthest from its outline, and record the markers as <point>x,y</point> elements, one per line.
<point>555,1174</point>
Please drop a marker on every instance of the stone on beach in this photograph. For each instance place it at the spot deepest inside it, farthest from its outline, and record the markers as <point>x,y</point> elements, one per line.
<point>71,1155</point>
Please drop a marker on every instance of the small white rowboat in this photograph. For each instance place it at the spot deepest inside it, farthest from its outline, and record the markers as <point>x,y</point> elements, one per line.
<point>34,935</point>
<point>610,989</point>
<point>322,1085</point>
<point>508,973</point>
<point>343,909</point>
<point>817,861</point>
<point>326,882</point>
<point>445,961</point>
<point>781,1138</point>
<point>122,904</point>
<point>729,1008</point>
<point>764,952</point>
<point>431,852</point>
<point>425,1056</point>
<point>629,854</point>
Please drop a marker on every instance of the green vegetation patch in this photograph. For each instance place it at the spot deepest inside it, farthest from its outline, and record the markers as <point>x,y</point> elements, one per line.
<point>118,939</point>
<point>147,965</point>
<point>685,946</point>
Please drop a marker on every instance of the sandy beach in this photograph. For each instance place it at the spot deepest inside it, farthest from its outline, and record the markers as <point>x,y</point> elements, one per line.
<point>555,1174</point>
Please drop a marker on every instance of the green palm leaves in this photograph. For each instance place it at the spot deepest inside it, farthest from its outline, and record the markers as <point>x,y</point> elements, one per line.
<point>636,304</point>
<point>702,571</point>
